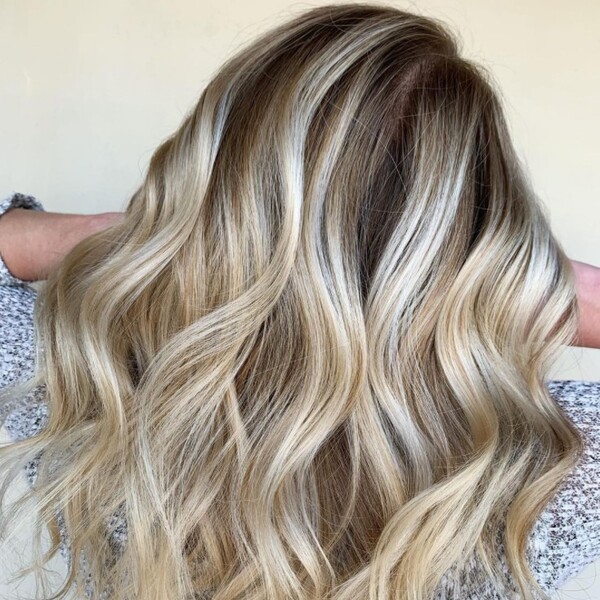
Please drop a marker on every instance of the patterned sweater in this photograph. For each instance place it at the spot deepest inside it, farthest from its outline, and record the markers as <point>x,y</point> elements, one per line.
<point>564,540</point>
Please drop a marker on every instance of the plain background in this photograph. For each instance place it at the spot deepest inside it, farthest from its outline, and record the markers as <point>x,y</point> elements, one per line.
<point>88,89</point>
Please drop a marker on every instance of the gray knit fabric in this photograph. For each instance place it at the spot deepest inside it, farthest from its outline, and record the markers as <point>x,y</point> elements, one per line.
<point>565,539</point>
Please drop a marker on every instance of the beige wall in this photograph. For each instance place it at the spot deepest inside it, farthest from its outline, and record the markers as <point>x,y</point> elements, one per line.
<point>88,89</point>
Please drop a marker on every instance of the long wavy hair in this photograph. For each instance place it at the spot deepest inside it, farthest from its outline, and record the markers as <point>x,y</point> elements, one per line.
<point>311,361</point>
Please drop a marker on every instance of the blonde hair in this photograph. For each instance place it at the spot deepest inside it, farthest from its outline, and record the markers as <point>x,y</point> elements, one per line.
<point>311,360</point>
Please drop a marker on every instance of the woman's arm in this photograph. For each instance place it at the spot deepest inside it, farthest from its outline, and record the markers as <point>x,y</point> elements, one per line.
<point>587,279</point>
<point>33,243</point>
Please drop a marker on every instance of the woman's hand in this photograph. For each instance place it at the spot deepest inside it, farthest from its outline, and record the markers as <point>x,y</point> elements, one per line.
<point>33,243</point>
<point>587,278</point>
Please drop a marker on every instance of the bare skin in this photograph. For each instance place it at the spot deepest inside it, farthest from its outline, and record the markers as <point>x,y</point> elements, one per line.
<point>587,281</point>
<point>33,243</point>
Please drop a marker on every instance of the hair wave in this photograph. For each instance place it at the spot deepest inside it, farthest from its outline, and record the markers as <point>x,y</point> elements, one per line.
<point>311,360</point>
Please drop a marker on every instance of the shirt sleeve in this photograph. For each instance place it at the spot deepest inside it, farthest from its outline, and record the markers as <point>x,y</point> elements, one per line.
<point>15,200</point>
<point>17,341</point>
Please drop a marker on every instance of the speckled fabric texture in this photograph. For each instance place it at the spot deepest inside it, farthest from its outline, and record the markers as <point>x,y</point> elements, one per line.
<point>565,539</point>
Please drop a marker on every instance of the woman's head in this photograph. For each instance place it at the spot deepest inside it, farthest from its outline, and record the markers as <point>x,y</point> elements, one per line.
<point>310,361</point>
<point>354,140</point>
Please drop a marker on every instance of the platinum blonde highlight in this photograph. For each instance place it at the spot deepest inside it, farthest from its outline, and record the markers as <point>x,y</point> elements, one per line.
<point>311,361</point>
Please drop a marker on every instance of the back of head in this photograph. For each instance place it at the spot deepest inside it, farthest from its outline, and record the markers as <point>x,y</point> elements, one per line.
<point>310,362</point>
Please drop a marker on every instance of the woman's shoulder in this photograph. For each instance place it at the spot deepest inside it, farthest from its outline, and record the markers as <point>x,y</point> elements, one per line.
<point>566,537</point>
<point>574,391</point>
<point>21,416</point>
